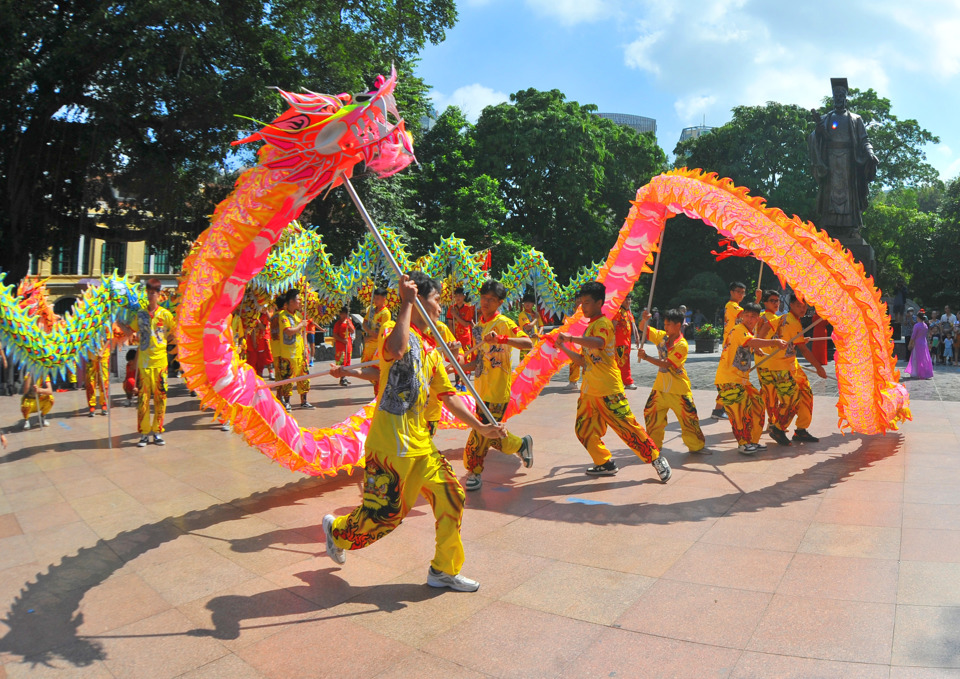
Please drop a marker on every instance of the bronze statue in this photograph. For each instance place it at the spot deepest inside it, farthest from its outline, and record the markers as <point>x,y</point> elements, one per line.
<point>843,165</point>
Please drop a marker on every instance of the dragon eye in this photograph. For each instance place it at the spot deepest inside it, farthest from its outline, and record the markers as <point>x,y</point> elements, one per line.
<point>294,123</point>
<point>363,98</point>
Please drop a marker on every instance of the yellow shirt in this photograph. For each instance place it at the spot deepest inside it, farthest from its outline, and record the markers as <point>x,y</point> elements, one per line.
<point>772,319</point>
<point>736,359</point>
<point>730,318</point>
<point>434,407</point>
<point>524,319</point>
<point>289,347</point>
<point>375,320</point>
<point>399,423</point>
<point>672,380</point>
<point>787,327</point>
<point>153,338</point>
<point>601,374</point>
<point>492,376</point>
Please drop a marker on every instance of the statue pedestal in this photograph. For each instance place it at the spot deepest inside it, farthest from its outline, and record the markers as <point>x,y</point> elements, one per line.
<point>863,252</point>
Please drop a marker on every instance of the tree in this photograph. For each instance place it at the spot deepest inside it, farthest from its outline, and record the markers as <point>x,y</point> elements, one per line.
<point>450,194</point>
<point>566,175</point>
<point>129,107</point>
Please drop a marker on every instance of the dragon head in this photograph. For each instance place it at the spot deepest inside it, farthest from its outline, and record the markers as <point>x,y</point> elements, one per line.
<point>35,301</point>
<point>321,137</point>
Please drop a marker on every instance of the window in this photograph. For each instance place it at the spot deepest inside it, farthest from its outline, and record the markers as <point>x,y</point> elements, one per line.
<point>64,260</point>
<point>113,257</point>
<point>161,259</point>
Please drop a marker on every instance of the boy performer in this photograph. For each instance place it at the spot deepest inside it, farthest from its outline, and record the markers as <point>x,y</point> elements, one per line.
<point>731,318</point>
<point>768,320</point>
<point>602,401</point>
<point>460,318</point>
<point>96,378</point>
<point>740,399</point>
<point>154,326</point>
<point>401,460</point>
<point>671,388</point>
<point>343,334</point>
<point>377,315</point>
<point>790,383</point>
<point>528,320</point>
<point>33,394</point>
<point>289,356</point>
<point>496,334</point>
<point>623,325</point>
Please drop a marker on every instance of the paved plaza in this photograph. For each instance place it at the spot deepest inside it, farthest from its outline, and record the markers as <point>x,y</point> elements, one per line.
<point>839,559</point>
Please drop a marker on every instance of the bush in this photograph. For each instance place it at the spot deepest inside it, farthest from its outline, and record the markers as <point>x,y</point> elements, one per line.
<point>708,331</point>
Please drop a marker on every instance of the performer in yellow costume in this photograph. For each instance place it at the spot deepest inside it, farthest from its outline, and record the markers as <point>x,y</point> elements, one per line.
<point>401,461</point>
<point>289,354</point>
<point>493,335</point>
<point>40,394</point>
<point>790,383</point>
<point>96,379</point>
<point>602,400</point>
<point>154,326</point>
<point>740,398</point>
<point>528,320</point>
<point>768,320</point>
<point>671,388</point>
<point>377,315</point>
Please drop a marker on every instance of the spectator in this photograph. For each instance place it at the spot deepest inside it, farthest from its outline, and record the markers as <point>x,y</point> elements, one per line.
<point>933,336</point>
<point>698,318</point>
<point>900,294</point>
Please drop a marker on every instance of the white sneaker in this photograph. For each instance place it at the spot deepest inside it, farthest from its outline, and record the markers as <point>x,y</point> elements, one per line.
<point>663,468</point>
<point>472,481</point>
<point>334,552</point>
<point>144,440</point>
<point>747,448</point>
<point>44,423</point>
<point>458,583</point>
<point>224,427</point>
<point>526,452</point>
<point>158,440</point>
<point>26,424</point>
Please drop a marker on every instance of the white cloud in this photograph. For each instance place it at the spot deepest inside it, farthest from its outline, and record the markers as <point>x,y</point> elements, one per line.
<point>572,12</point>
<point>471,99</point>
<point>638,53</point>
<point>691,108</point>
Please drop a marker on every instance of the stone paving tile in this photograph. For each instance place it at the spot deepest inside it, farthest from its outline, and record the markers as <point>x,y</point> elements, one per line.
<point>841,577</point>
<point>926,583</point>
<point>724,566</point>
<point>227,667</point>
<point>868,542</point>
<point>766,666</point>
<point>926,636</point>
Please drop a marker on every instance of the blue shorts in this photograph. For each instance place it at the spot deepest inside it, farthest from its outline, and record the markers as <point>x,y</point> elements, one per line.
<point>309,338</point>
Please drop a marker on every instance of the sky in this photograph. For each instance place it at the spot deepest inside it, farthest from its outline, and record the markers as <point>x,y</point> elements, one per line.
<point>686,62</point>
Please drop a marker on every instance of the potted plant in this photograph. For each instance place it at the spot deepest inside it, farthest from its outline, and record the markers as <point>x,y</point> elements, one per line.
<point>706,337</point>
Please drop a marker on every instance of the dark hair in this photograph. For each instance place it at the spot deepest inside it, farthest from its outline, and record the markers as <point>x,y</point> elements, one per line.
<point>922,317</point>
<point>752,308</point>
<point>458,290</point>
<point>424,283</point>
<point>495,288</point>
<point>593,289</point>
<point>674,315</point>
<point>287,296</point>
<point>529,298</point>
<point>736,285</point>
<point>154,284</point>
<point>344,309</point>
<point>380,292</point>
<point>131,354</point>
<point>767,294</point>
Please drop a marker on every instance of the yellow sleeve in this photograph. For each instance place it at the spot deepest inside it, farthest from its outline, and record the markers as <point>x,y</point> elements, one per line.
<point>677,355</point>
<point>512,329</point>
<point>439,382</point>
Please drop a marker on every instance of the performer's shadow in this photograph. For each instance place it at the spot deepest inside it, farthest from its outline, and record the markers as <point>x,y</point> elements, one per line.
<point>321,589</point>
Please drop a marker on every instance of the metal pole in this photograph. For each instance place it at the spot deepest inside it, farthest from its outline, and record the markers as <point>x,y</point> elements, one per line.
<point>789,342</point>
<point>653,284</point>
<point>423,313</point>
<point>299,378</point>
<point>760,275</point>
<point>109,409</point>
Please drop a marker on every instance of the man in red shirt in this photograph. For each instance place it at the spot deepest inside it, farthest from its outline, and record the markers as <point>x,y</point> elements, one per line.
<point>343,334</point>
<point>460,318</point>
<point>623,324</point>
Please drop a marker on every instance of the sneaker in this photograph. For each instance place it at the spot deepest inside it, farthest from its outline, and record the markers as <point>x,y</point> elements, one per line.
<point>129,402</point>
<point>631,387</point>
<point>224,427</point>
<point>344,382</point>
<point>571,386</point>
<point>804,436</point>
<point>472,481</point>
<point>334,552</point>
<point>526,451</point>
<point>91,413</point>
<point>759,446</point>
<point>718,414</point>
<point>747,448</point>
<point>103,411</point>
<point>457,583</point>
<point>26,424</point>
<point>286,405</point>
<point>306,405</point>
<point>663,468</point>
<point>44,422</point>
<point>608,468</point>
<point>158,440</point>
<point>779,436</point>
<point>144,440</point>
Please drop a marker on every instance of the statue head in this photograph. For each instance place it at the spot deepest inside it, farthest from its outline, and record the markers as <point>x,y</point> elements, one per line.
<point>839,86</point>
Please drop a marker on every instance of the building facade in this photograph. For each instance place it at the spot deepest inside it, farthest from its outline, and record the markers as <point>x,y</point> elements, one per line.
<point>639,123</point>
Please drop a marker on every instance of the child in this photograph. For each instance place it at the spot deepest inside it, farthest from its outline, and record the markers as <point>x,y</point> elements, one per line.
<point>401,461</point>
<point>731,318</point>
<point>740,399</point>
<point>671,388</point>
<point>602,401</point>
<point>790,383</point>
<point>460,318</point>
<point>259,353</point>
<point>768,390</point>
<point>495,334</point>
<point>343,334</point>
<point>130,377</point>
<point>289,356</point>
<point>528,320</point>
<point>377,315</point>
<point>948,350</point>
<point>311,347</point>
<point>36,394</point>
<point>96,379</point>
<point>623,326</point>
